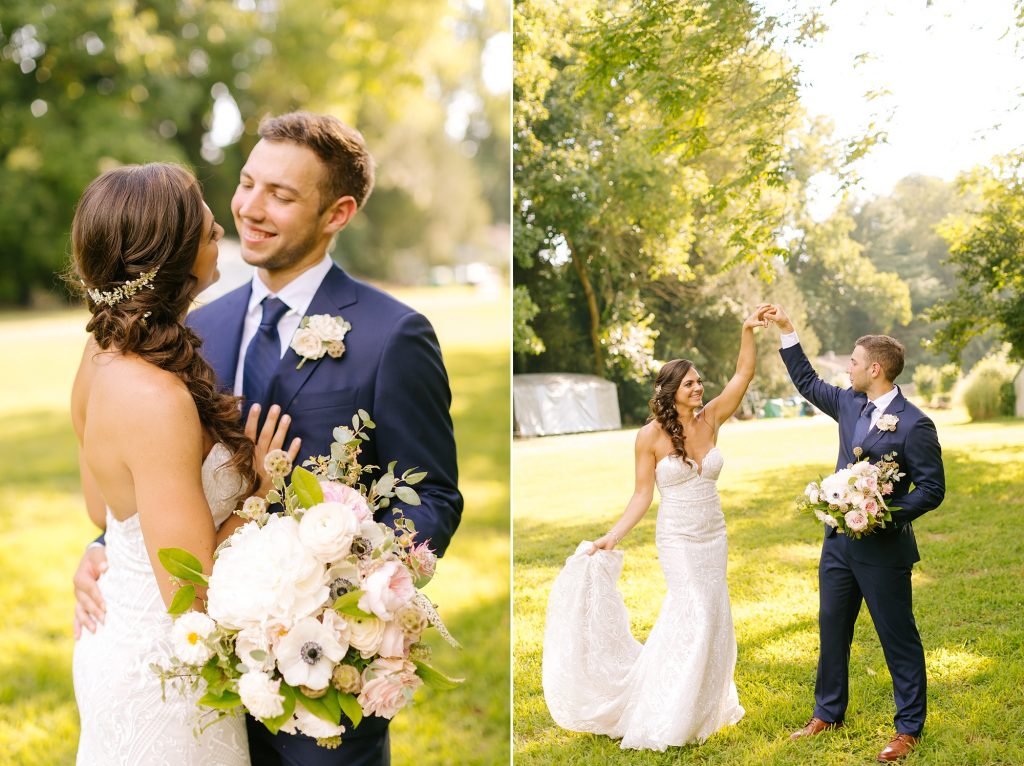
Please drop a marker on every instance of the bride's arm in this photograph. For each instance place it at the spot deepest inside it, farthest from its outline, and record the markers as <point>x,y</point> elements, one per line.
<point>643,491</point>
<point>721,408</point>
<point>161,441</point>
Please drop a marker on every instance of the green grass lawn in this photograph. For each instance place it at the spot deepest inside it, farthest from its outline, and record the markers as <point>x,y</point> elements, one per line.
<point>43,529</point>
<point>969,600</point>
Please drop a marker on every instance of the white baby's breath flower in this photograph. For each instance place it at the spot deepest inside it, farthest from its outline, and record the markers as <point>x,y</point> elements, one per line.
<point>261,694</point>
<point>189,636</point>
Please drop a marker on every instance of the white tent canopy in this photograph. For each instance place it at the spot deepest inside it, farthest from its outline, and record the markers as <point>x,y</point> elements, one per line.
<point>563,403</point>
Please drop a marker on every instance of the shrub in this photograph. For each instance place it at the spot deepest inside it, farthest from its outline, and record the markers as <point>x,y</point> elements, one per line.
<point>983,393</point>
<point>926,382</point>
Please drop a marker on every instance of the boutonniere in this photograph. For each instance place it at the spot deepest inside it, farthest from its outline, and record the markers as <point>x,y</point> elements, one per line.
<point>887,423</point>
<point>318,335</point>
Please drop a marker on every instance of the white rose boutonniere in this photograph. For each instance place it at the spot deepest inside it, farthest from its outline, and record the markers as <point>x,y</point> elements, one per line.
<point>318,335</point>
<point>887,423</point>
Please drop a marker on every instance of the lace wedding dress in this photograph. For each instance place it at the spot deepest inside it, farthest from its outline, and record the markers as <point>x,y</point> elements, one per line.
<point>125,720</point>
<point>678,687</point>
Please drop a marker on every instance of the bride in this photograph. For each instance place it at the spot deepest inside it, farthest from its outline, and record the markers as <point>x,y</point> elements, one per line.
<point>163,457</point>
<point>678,687</point>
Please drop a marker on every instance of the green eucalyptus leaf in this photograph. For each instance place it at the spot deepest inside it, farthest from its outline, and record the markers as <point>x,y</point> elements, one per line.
<point>386,484</point>
<point>407,495</point>
<point>415,478</point>
<point>182,600</point>
<point>181,564</point>
<point>307,488</point>
<point>273,496</point>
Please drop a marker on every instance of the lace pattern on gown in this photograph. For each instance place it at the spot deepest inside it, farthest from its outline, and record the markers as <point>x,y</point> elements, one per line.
<point>677,687</point>
<point>124,719</point>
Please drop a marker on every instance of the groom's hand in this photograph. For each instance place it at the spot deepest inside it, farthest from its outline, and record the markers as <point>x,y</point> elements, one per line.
<point>89,605</point>
<point>778,315</point>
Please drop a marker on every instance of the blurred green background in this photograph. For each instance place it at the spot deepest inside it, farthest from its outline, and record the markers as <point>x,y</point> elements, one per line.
<point>89,84</point>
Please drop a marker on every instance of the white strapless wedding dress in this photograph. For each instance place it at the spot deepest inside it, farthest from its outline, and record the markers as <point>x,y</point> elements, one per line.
<point>124,718</point>
<point>678,687</point>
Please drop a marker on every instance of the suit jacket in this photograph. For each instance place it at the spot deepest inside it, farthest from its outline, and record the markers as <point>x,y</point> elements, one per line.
<point>392,368</point>
<point>917,449</point>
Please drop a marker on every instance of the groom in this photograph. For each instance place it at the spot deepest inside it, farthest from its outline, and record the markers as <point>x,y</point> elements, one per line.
<point>875,568</point>
<point>301,185</point>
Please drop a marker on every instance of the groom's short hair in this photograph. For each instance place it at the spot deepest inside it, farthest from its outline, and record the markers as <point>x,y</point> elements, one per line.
<point>887,351</point>
<point>340,147</point>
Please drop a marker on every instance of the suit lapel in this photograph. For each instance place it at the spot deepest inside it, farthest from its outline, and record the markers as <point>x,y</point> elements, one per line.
<point>893,409</point>
<point>221,346</point>
<point>335,293</point>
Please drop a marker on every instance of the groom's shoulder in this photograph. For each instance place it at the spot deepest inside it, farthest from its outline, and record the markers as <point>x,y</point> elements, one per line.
<point>386,308</point>
<point>210,312</point>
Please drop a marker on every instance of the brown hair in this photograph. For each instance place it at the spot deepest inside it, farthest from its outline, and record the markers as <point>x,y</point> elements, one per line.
<point>341,148</point>
<point>887,351</point>
<point>663,403</point>
<point>130,221</point>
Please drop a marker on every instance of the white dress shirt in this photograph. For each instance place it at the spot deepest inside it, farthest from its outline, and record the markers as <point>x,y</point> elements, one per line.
<point>790,339</point>
<point>297,294</point>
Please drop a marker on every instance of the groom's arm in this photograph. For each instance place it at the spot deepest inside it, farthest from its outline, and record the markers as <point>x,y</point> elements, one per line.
<point>923,459</point>
<point>414,427</point>
<point>822,395</point>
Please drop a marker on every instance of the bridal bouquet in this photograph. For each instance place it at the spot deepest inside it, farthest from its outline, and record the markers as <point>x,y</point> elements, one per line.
<point>315,611</point>
<point>852,499</point>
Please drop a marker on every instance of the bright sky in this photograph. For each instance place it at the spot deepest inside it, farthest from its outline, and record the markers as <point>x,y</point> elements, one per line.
<point>953,76</point>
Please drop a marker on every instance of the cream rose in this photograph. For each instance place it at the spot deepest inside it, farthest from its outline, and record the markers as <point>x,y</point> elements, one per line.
<point>327,530</point>
<point>328,328</point>
<point>307,344</point>
<point>365,634</point>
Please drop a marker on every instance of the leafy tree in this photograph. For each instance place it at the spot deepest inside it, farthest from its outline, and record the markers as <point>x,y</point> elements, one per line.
<point>986,247</point>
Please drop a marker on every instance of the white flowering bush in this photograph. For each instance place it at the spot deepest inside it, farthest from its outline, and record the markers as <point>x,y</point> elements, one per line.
<point>313,612</point>
<point>852,500</point>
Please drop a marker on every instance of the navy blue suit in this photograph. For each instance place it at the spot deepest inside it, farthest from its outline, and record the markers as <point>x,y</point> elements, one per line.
<point>875,568</point>
<point>392,368</point>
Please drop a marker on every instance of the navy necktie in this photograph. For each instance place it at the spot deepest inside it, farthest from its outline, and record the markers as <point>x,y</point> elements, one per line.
<point>863,424</point>
<point>264,352</point>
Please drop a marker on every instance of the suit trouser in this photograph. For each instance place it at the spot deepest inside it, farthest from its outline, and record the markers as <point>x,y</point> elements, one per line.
<point>365,745</point>
<point>843,583</point>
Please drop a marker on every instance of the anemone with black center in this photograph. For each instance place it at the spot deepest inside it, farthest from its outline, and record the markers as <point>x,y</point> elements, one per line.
<point>362,547</point>
<point>340,586</point>
<point>311,652</point>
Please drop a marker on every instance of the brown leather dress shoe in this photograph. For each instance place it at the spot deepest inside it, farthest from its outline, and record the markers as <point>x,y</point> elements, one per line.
<point>814,727</point>
<point>899,746</point>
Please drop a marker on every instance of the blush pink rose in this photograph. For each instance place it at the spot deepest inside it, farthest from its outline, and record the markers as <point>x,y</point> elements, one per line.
<point>387,589</point>
<point>871,507</point>
<point>388,685</point>
<point>394,643</point>
<point>856,521</point>
<point>336,492</point>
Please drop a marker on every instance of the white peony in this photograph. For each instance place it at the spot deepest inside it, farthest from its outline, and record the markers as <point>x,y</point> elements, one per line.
<point>387,589</point>
<point>824,517</point>
<point>327,530</point>
<point>307,654</point>
<point>266,578</point>
<point>312,726</point>
<point>328,328</point>
<point>261,694</point>
<point>307,344</point>
<point>189,636</point>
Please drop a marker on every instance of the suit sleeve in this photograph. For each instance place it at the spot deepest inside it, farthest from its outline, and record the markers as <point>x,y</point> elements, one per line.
<point>923,459</point>
<point>414,427</point>
<point>822,395</point>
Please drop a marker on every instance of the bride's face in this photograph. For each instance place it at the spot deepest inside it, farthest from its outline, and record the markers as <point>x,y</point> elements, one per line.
<point>205,267</point>
<point>691,390</point>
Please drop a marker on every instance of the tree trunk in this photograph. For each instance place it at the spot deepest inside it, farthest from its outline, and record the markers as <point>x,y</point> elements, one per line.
<point>588,291</point>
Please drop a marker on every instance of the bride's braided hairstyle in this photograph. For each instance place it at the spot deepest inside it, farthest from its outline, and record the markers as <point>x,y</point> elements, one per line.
<point>131,221</point>
<point>663,403</point>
